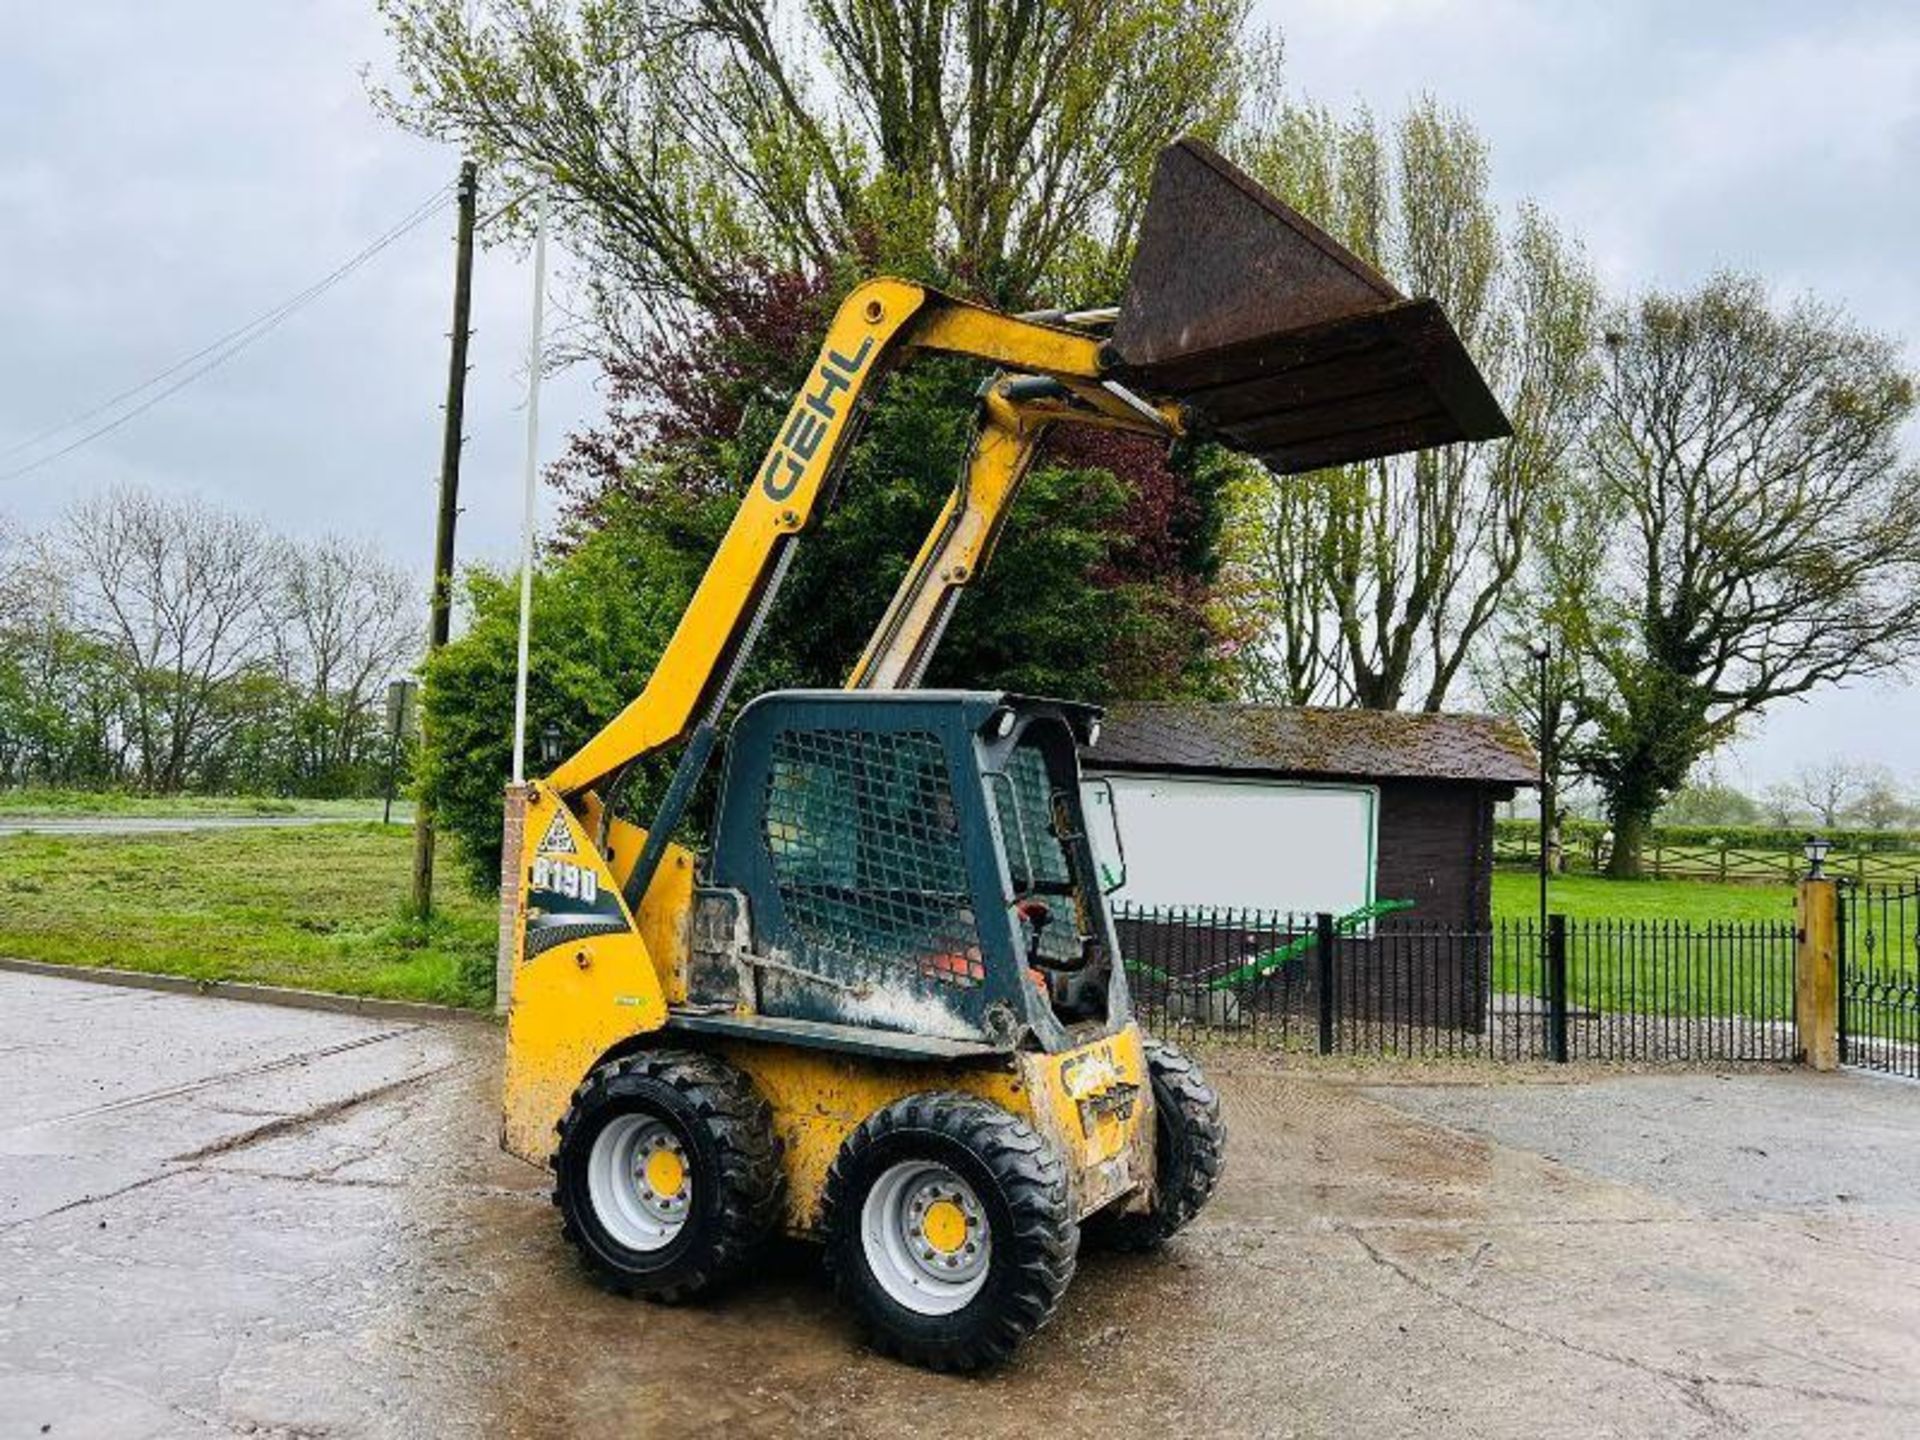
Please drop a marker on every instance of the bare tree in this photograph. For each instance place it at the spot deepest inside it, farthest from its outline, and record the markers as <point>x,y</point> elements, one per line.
<point>1276,546</point>
<point>65,694</point>
<point>180,592</point>
<point>1830,788</point>
<point>1743,482</point>
<point>1708,800</point>
<point>1373,583</point>
<point>1780,802</point>
<point>1882,804</point>
<point>12,555</point>
<point>349,623</point>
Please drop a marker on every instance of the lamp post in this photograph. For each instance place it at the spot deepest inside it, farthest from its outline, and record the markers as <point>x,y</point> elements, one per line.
<point>1542,653</point>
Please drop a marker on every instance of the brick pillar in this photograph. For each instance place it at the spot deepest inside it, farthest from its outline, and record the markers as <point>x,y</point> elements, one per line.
<point>1816,974</point>
<point>512,841</point>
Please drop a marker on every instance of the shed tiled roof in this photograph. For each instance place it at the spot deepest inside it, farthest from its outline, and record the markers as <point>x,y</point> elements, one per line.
<point>1278,740</point>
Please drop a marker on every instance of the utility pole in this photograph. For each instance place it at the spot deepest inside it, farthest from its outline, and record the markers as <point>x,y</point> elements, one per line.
<point>440,613</point>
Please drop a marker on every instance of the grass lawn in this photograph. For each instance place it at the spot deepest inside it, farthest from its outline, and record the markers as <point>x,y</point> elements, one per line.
<point>1516,896</point>
<point>319,908</point>
<point>1644,966</point>
<point>52,803</point>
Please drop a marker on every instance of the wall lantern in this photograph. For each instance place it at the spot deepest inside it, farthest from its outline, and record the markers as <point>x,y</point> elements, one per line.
<point>1816,850</point>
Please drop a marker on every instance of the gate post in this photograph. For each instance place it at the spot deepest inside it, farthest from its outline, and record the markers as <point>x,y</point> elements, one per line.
<point>1816,984</point>
<point>1323,933</point>
<point>512,870</point>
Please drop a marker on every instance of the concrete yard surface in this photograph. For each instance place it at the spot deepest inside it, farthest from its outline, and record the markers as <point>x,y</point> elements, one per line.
<point>222,1218</point>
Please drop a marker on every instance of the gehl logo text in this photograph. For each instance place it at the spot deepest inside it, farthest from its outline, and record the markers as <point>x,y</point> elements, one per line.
<point>807,426</point>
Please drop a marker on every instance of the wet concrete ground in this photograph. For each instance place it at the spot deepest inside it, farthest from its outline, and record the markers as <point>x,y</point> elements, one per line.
<point>221,1218</point>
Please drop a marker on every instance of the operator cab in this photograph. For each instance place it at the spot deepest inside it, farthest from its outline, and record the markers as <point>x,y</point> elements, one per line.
<point>909,861</point>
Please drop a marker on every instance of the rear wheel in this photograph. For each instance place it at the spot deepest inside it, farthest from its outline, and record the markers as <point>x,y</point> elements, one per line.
<point>1190,1144</point>
<point>666,1175</point>
<point>949,1230</point>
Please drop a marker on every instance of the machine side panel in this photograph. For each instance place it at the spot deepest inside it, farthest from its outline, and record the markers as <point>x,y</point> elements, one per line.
<point>580,985</point>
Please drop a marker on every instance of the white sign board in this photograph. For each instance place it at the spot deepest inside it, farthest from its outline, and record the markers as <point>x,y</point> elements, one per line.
<point>1255,845</point>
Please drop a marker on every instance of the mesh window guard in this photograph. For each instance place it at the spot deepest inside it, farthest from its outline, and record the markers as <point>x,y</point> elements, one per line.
<point>864,841</point>
<point>1029,792</point>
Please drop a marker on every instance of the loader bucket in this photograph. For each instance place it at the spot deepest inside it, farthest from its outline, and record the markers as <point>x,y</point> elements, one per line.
<point>1280,341</point>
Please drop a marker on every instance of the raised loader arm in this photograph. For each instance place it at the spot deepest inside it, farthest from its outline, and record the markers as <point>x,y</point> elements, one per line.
<point>873,327</point>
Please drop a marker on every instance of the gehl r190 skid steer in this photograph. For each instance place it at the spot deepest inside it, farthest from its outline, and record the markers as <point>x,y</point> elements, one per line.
<point>887,1010</point>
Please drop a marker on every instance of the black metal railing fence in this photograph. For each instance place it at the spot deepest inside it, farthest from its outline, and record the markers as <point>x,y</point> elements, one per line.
<point>1880,978</point>
<point>1582,989</point>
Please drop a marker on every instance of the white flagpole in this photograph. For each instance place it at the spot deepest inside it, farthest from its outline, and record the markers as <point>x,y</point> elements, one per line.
<point>530,478</point>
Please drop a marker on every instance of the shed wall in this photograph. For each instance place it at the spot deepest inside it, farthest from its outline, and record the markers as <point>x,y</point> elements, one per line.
<point>1436,849</point>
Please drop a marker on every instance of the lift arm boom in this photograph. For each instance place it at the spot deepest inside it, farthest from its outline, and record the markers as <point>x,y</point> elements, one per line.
<point>873,328</point>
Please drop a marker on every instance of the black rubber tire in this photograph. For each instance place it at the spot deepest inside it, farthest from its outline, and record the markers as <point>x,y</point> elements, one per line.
<point>727,1129</point>
<point>1021,1183</point>
<point>1190,1145</point>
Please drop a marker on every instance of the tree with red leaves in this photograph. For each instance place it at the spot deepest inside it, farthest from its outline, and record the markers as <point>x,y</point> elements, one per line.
<point>688,423</point>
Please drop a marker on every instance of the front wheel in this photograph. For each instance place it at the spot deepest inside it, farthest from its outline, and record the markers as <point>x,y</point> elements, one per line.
<point>666,1175</point>
<point>1190,1145</point>
<point>949,1230</point>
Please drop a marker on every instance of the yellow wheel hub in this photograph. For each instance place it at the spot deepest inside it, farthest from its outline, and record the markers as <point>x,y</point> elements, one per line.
<point>666,1173</point>
<point>945,1226</point>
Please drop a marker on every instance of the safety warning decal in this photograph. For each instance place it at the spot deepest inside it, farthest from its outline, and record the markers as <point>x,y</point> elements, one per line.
<point>559,839</point>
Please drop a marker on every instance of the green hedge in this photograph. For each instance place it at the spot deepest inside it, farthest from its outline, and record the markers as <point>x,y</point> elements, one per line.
<point>1733,837</point>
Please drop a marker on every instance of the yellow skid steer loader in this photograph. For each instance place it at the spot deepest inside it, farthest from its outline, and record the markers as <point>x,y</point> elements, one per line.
<point>887,1009</point>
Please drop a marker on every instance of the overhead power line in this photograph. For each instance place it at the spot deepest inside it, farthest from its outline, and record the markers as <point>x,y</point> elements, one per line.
<point>185,371</point>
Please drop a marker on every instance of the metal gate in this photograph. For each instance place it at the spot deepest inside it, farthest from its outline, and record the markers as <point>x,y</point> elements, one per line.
<point>1880,978</point>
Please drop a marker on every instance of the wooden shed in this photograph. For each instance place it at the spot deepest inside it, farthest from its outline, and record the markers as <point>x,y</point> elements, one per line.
<point>1300,810</point>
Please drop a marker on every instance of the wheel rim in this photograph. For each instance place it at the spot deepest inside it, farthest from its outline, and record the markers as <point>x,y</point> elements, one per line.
<point>640,1181</point>
<point>926,1238</point>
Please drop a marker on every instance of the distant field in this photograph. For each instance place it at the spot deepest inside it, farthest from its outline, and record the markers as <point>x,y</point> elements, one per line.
<point>1517,896</point>
<point>319,908</point>
<point>120,802</point>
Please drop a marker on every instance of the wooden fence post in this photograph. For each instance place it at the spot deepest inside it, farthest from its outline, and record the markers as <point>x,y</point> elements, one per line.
<point>1816,972</point>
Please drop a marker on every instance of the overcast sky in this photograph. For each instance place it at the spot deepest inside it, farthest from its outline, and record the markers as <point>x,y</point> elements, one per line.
<point>168,172</point>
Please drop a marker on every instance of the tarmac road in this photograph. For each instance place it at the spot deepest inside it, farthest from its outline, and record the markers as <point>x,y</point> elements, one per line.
<point>219,1218</point>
